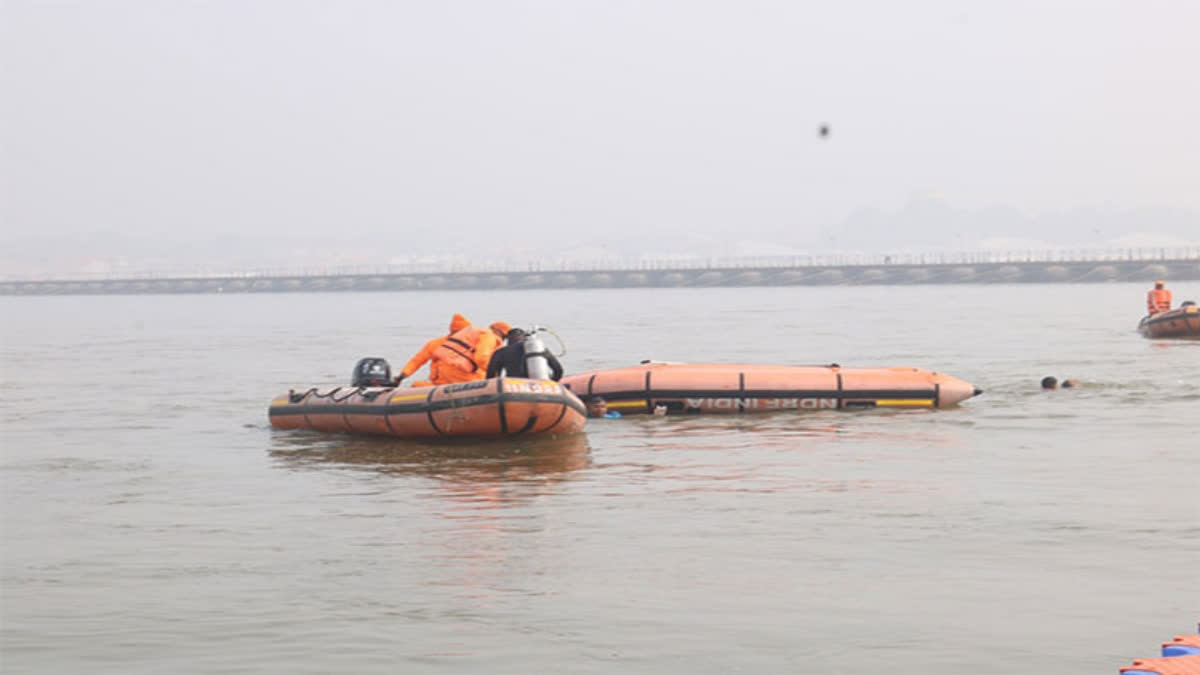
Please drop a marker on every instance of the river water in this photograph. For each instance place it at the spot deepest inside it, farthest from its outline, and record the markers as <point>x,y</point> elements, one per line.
<point>154,522</point>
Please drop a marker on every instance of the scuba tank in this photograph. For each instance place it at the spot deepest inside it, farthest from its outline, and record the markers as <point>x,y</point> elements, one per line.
<point>536,365</point>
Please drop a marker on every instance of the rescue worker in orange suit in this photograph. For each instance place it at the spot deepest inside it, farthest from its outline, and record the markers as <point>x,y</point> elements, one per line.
<point>1158,299</point>
<point>464,355</point>
<point>457,323</point>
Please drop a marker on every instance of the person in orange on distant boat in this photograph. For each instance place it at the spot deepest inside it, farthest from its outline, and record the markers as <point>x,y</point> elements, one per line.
<point>464,355</point>
<point>1158,299</point>
<point>457,323</point>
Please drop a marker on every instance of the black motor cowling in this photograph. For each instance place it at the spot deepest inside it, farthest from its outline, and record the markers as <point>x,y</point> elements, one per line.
<point>372,372</point>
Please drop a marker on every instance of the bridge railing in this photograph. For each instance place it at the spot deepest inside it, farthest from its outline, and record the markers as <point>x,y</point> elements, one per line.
<point>667,263</point>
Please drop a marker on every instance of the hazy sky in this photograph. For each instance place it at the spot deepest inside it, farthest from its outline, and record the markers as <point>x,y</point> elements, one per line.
<point>422,124</point>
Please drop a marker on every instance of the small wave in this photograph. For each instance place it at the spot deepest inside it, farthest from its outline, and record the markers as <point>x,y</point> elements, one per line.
<point>56,464</point>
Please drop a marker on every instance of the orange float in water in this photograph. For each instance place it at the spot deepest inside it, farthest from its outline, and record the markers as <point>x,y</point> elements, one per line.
<point>501,406</point>
<point>1183,322</point>
<point>739,388</point>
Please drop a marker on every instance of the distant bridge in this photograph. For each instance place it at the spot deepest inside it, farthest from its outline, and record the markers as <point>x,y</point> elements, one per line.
<point>790,271</point>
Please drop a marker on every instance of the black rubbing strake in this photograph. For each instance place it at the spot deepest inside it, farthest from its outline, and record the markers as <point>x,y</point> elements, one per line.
<point>500,405</point>
<point>528,425</point>
<point>741,392</point>
<point>649,405</point>
<point>429,412</point>
<point>561,413</point>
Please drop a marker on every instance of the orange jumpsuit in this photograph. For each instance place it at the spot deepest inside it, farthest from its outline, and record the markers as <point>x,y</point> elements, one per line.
<point>489,342</point>
<point>1158,300</point>
<point>464,356</point>
<point>457,323</point>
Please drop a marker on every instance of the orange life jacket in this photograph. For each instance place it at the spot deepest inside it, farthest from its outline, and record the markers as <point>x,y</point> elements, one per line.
<point>458,350</point>
<point>420,358</point>
<point>1158,300</point>
<point>457,323</point>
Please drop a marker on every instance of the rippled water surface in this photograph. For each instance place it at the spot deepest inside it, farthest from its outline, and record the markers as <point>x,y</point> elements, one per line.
<point>154,522</point>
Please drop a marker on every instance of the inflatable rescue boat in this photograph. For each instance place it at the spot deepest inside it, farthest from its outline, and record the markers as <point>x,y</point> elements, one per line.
<point>742,388</point>
<point>1183,322</point>
<point>501,406</point>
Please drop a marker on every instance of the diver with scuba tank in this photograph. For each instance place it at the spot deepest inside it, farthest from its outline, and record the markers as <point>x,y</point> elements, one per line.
<point>525,355</point>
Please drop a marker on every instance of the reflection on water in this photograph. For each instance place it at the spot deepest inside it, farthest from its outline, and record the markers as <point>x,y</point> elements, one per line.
<point>781,431</point>
<point>485,496</point>
<point>771,423</point>
<point>455,460</point>
<point>1183,343</point>
<point>860,453</point>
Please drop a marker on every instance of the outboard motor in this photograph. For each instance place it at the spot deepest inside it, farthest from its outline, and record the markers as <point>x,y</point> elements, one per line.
<point>372,372</point>
<point>536,365</point>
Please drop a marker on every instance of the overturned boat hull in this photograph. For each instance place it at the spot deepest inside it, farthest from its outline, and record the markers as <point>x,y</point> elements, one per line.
<point>502,406</point>
<point>742,388</point>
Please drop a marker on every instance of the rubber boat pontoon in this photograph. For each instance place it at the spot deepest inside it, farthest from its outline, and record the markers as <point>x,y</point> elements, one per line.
<point>1182,322</point>
<point>739,388</point>
<point>501,406</point>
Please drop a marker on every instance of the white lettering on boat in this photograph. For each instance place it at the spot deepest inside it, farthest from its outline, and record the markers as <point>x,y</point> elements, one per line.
<point>530,387</point>
<point>730,403</point>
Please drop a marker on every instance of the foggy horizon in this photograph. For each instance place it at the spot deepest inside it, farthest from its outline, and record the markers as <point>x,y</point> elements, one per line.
<point>139,135</point>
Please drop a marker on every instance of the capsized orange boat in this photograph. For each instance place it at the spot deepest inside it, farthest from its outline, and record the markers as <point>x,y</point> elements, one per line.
<point>501,406</point>
<point>1182,322</point>
<point>738,388</point>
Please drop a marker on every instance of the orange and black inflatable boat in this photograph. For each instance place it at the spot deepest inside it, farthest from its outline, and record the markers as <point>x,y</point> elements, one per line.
<point>741,388</point>
<point>1182,322</point>
<point>501,406</point>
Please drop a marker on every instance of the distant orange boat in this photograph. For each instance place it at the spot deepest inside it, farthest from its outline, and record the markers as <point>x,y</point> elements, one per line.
<point>501,406</point>
<point>741,388</point>
<point>1183,322</point>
